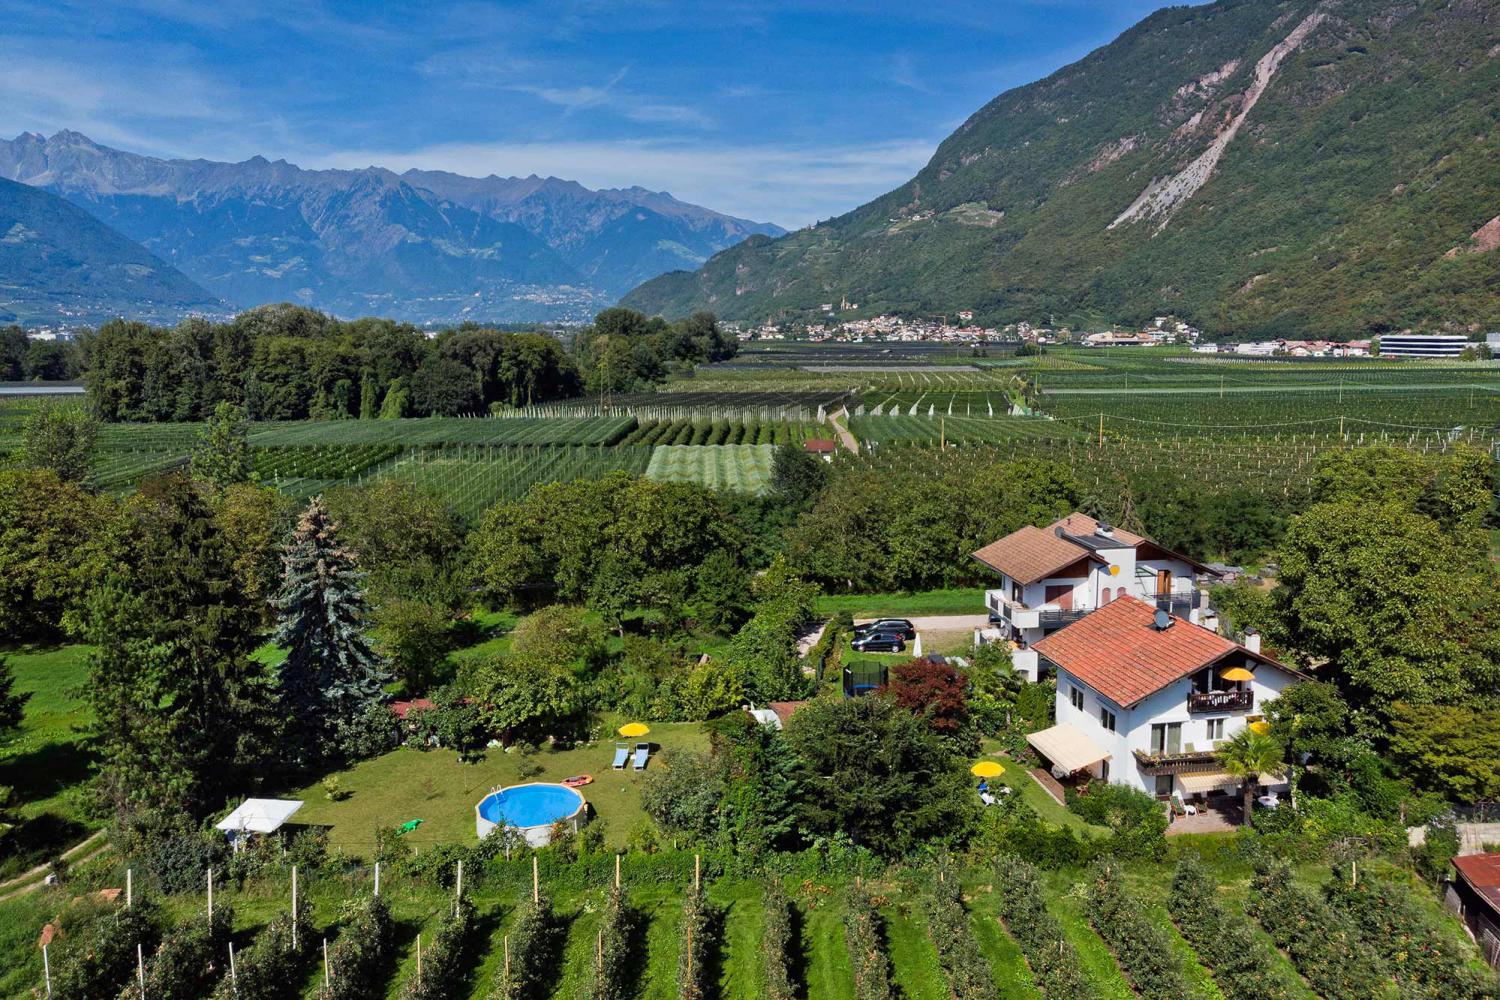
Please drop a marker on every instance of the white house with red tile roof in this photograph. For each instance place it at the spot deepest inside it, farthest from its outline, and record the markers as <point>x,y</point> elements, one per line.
<point>1051,577</point>
<point>1143,698</point>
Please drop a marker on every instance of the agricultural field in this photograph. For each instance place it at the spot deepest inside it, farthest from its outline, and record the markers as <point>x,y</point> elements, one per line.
<point>475,479</point>
<point>416,431</point>
<point>904,925</point>
<point>721,432</point>
<point>745,468</point>
<point>924,430</point>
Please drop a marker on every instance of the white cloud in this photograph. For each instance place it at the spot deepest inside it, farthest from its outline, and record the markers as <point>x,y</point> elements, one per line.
<point>789,186</point>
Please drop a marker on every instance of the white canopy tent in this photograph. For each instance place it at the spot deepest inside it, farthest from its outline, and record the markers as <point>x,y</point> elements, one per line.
<point>257,816</point>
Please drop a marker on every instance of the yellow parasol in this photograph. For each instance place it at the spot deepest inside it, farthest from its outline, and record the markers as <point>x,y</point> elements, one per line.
<point>1236,674</point>
<point>987,769</point>
<point>1260,726</point>
<point>634,729</point>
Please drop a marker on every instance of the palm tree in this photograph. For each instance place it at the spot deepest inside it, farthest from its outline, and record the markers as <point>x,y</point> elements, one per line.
<point>1247,755</point>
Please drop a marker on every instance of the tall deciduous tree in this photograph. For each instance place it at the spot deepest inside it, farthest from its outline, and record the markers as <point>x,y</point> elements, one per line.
<point>331,676</point>
<point>181,711</point>
<point>60,438</point>
<point>50,551</point>
<point>221,457</point>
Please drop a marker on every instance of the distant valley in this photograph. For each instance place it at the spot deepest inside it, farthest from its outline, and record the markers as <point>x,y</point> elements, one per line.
<point>424,246</point>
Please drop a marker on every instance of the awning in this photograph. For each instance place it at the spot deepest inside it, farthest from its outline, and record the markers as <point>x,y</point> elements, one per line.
<point>259,815</point>
<point>1203,782</point>
<point>1067,747</point>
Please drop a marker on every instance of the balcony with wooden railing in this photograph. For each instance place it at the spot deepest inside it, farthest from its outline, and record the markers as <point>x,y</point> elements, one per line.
<point>1220,701</point>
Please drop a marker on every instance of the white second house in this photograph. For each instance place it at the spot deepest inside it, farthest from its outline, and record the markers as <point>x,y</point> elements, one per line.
<point>1145,698</point>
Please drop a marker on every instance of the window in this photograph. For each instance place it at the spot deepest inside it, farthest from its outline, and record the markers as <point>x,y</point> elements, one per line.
<point>1215,729</point>
<point>1166,737</point>
<point>1076,695</point>
<point>1164,786</point>
<point>1107,719</point>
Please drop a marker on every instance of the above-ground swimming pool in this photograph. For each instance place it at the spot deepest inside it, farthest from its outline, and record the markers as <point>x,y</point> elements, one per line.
<point>532,809</point>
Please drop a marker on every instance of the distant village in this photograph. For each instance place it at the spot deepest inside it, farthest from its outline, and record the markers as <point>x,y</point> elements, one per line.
<point>961,330</point>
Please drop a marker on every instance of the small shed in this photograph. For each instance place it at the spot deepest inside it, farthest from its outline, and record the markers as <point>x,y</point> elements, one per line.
<point>821,447</point>
<point>1474,894</point>
<point>256,816</point>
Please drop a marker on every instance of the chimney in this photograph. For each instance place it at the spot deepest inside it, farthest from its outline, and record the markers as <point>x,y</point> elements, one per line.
<point>1105,529</point>
<point>1252,640</point>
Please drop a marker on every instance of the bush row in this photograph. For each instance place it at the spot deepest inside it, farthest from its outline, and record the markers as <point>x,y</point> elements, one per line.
<point>1325,949</point>
<point>188,961</point>
<point>444,967</point>
<point>358,959</point>
<point>98,963</point>
<point>1223,940</point>
<point>529,952</point>
<point>862,933</point>
<point>776,943</point>
<point>1142,949</point>
<point>700,938</point>
<point>1423,961</point>
<point>969,975</point>
<point>262,971</point>
<point>1053,961</point>
<point>710,432</point>
<point>610,969</point>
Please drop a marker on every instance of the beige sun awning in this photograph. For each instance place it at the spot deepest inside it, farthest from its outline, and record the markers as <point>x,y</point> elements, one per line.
<point>1067,747</point>
<point>1217,781</point>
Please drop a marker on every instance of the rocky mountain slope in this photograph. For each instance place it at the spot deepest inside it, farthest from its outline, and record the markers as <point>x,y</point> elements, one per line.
<point>424,245</point>
<point>58,264</point>
<point>1257,166</point>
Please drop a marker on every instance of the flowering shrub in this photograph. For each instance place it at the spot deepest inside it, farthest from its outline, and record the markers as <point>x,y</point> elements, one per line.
<point>359,957</point>
<point>445,961</point>
<point>776,943</point>
<point>612,950</point>
<point>1326,950</point>
<point>872,970</point>
<point>1223,940</point>
<point>1142,949</point>
<point>968,973</point>
<point>1023,906</point>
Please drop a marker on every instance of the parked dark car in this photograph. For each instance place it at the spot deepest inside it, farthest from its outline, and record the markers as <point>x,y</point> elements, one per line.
<point>902,627</point>
<point>879,642</point>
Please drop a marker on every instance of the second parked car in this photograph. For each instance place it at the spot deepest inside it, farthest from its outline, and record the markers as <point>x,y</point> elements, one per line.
<point>900,626</point>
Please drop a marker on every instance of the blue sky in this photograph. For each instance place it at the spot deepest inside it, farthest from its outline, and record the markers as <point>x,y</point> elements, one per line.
<point>779,110</point>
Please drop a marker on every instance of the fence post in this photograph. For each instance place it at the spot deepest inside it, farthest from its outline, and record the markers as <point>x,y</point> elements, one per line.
<point>536,884</point>
<point>327,973</point>
<point>47,970</point>
<point>129,888</point>
<point>210,892</point>
<point>140,967</point>
<point>294,907</point>
<point>234,976</point>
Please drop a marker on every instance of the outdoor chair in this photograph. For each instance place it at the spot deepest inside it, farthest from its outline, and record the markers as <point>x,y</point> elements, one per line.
<point>642,751</point>
<point>622,754</point>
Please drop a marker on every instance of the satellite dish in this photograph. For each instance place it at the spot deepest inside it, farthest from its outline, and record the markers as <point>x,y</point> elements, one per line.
<point>1163,621</point>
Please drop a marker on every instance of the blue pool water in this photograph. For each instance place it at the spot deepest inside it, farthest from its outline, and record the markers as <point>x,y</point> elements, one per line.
<point>530,805</point>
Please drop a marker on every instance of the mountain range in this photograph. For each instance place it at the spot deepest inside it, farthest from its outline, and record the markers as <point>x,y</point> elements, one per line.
<point>1323,167</point>
<point>58,264</point>
<point>424,246</point>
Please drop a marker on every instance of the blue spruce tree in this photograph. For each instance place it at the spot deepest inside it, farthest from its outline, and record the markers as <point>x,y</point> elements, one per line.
<point>332,680</point>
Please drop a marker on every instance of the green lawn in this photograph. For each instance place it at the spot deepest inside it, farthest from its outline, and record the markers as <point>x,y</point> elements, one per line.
<point>1039,799</point>
<point>435,787</point>
<point>959,601</point>
<point>48,755</point>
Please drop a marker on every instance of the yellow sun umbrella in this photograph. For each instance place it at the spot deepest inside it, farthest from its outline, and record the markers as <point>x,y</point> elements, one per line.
<point>987,769</point>
<point>634,729</point>
<point>1260,726</point>
<point>1236,674</point>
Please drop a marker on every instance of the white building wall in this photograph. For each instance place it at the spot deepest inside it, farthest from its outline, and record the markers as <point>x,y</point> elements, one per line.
<point>1133,726</point>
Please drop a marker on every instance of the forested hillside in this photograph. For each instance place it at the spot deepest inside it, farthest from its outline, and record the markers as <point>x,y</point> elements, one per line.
<point>1257,166</point>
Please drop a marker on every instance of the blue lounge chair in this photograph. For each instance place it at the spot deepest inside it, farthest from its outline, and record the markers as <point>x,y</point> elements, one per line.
<point>622,753</point>
<point>642,751</point>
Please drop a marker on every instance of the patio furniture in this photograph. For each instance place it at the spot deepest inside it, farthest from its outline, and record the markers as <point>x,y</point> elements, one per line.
<point>622,754</point>
<point>642,751</point>
<point>1269,801</point>
<point>987,798</point>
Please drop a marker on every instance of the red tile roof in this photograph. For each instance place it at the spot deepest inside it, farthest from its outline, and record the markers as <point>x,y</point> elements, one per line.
<point>1118,651</point>
<point>402,709</point>
<point>785,709</point>
<point>820,445</point>
<point>1482,871</point>
<point>1031,554</point>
